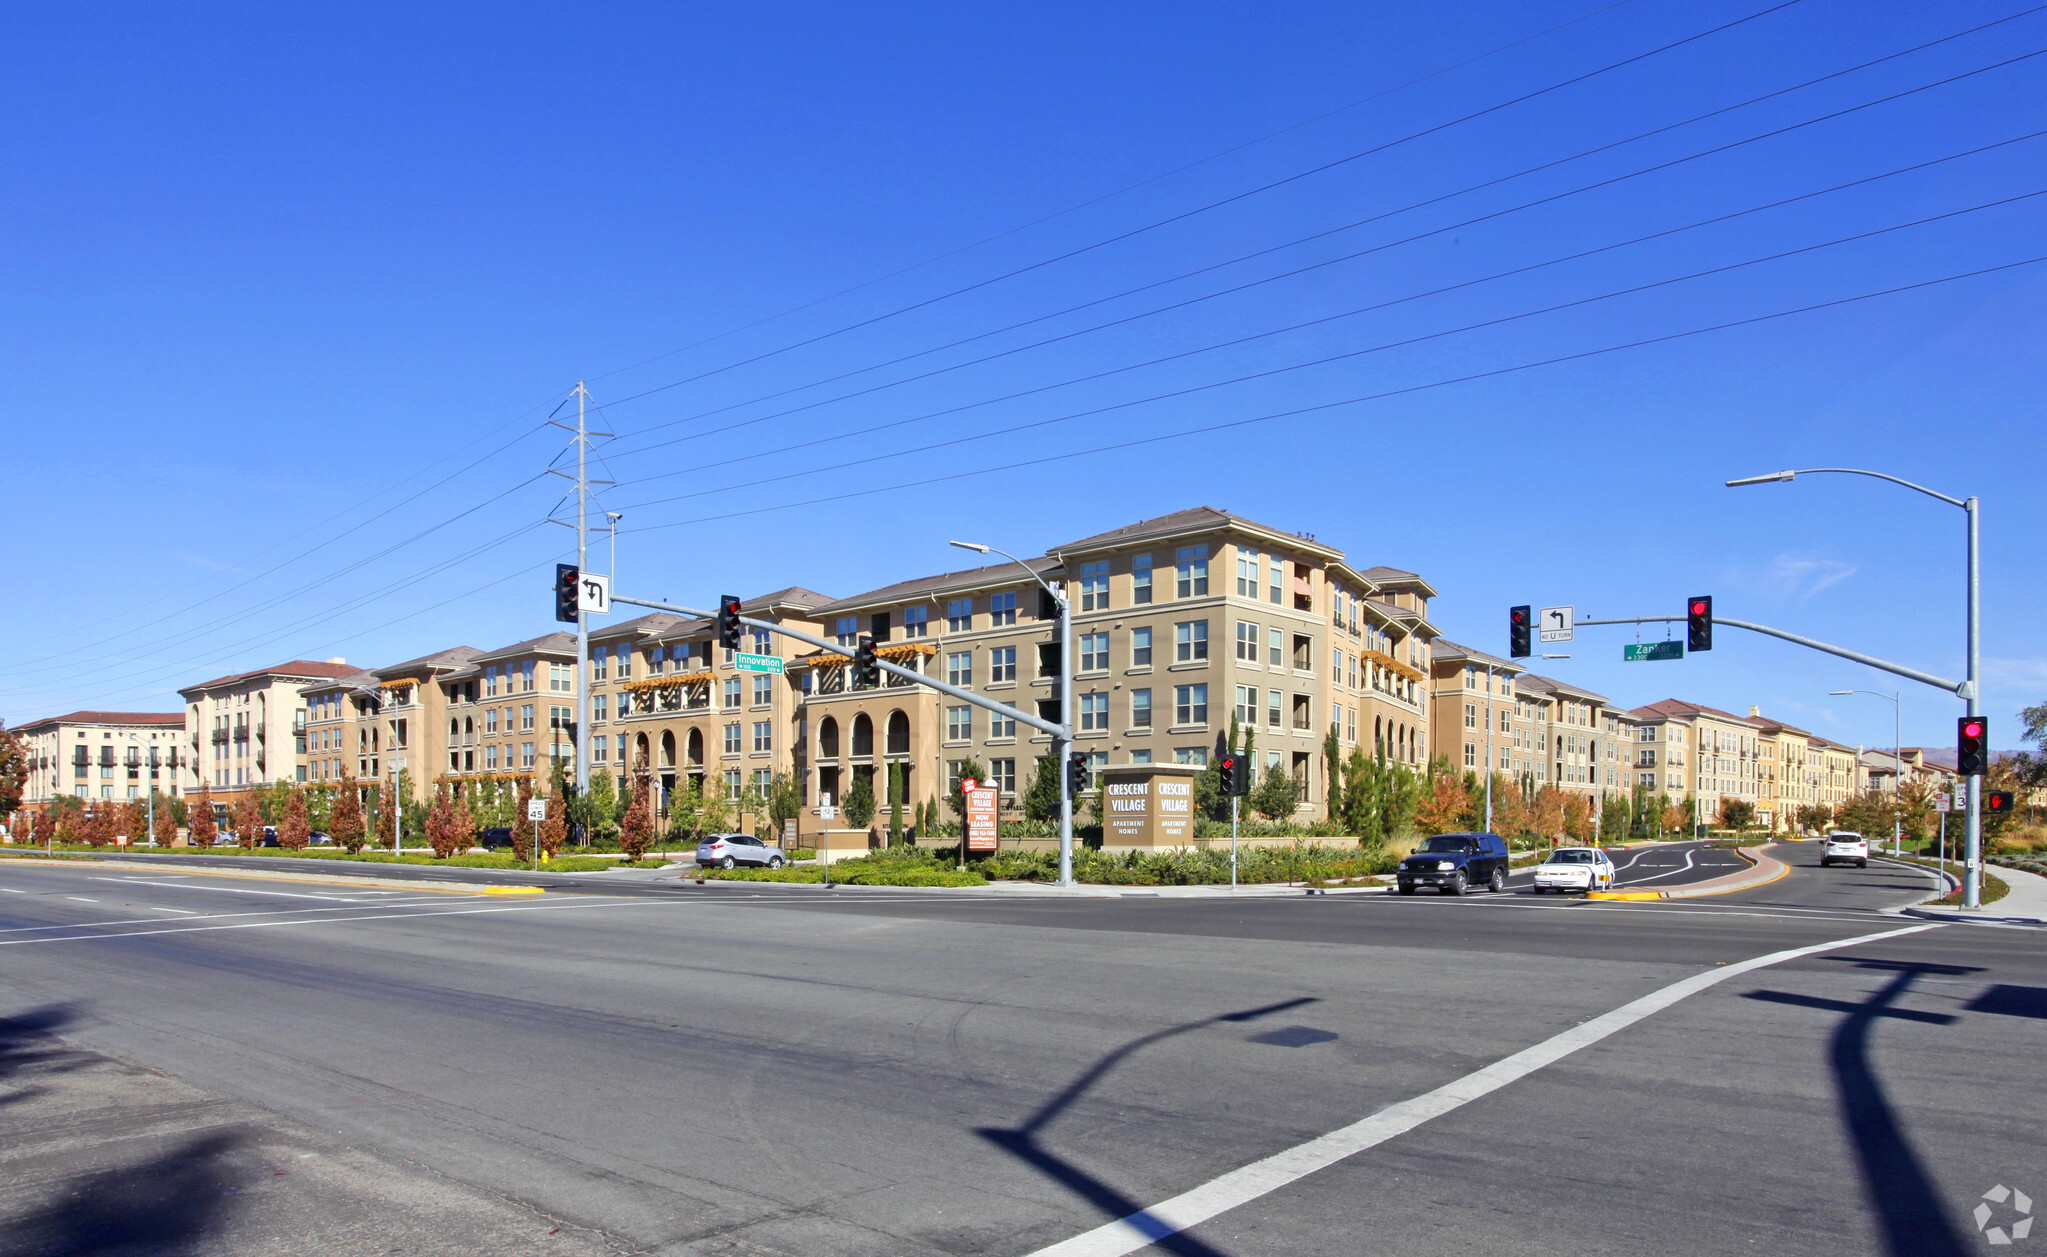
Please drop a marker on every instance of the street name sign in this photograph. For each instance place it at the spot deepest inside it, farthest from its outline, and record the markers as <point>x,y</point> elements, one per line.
<point>1642,652</point>
<point>593,594</point>
<point>1554,624</point>
<point>758,663</point>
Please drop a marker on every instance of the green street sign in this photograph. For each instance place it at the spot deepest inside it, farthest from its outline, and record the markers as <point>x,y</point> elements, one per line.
<point>758,663</point>
<point>1647,651</point>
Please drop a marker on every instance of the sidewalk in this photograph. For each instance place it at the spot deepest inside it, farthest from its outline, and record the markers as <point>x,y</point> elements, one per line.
<point>2024,904</point>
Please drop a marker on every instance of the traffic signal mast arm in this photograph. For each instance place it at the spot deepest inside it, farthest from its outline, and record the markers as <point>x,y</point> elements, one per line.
<point>1959,688</point>
<point>908,674</point>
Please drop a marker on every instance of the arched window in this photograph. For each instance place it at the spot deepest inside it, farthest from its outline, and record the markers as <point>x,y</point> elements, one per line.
<point>863,735</point>
<point>898,733</point>
<point>667,748</point>
<point>694,748</point>
<point>828,738</point>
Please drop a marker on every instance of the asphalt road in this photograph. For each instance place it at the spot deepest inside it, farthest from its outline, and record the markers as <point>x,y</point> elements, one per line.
<point>747,1069</point>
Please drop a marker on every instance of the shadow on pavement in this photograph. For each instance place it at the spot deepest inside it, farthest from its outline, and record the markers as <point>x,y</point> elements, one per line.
<point>1022,1142</point>
<point>1911,1217</point>
<point>28,1044</point>
<point>162,1206</point>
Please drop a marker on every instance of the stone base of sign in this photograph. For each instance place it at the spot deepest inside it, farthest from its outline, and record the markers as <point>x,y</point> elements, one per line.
<point>841,844</point>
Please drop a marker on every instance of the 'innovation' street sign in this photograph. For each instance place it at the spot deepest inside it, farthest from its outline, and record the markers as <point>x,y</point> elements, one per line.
<point>758,663</point>
<point>1643,652</point>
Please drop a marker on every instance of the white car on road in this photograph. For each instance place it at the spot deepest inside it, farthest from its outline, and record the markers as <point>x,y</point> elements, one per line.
<point>728,850</point>
<point>1847,848</point>
<point>1574,868</point>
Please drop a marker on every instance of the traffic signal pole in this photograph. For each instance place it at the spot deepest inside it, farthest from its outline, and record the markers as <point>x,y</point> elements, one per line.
<point>1062,733</point>
<point>580,745</point>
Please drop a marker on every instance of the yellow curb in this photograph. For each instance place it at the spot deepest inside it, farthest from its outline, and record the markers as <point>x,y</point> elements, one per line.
<point>1636,895</point>
<point>318,879</point>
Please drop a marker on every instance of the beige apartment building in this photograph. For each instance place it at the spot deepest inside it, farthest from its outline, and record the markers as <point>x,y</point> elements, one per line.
<point>104,756</point>
<point>1471,692</point>
<point>242,730</point>
<point>1589,743</point>
<point>342,732</point>
<point>1712,755</point>
<point>508,712</point>
<point>412,713</point>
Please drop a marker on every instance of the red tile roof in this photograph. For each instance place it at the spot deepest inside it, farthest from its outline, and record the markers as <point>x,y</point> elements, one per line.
<point>167,718</point>
<point>295,668</point>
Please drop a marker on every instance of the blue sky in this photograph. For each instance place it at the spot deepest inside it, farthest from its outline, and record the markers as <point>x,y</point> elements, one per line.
<point>290,290</point>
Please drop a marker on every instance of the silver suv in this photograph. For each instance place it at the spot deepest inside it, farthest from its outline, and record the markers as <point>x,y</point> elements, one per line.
<point>729,850</point>
<point>1847,848</point>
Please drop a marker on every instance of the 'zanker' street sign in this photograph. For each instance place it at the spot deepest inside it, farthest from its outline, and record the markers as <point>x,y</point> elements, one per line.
<point>1642,652</point>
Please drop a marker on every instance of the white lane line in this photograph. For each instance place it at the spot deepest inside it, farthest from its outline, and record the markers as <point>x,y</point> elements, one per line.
<point>308,913</point>
<point>184,928</point>
<point>1637,881</point>
<point>1240,1186</point>
<point>80,899</point>
<point>225,890</point>
<point>10,890</point>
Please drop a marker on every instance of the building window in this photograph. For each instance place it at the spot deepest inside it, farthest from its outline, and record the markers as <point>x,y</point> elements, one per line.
<point>763,689</point>
<point>1140,709</point>
<point>1190,641</point>
<point>1094,652</point>
<point>599,659</point>
<point>1247,641</point>
<point>731,692</point>
<point>1191,571</point>
<point>1001,725</point>
<point>600,750</point>
<point>1195,755</point>
<point>732,783</point>
<point>1278,574</point>
<point>1471,715</point>
<point>1190,704</point>
<point>600,708</point>
<point>763,735</point>
<point>1094,586</point>
<point>916,621</point>
<point>1275,648</point>
<point>959,615</point>
<point>1002,663</point>
<point>1094,712</point>
<point>526,755</point>
<point>1140,648</point>
<point>959,723</point>
<point>1002,610</point>
<point>526,676</point>
<point>558,677</point>
<point>490,682</point>
<point>1274,700</point>
<point>1247,705</point>
<point>732,738</point>
<point>1247,573</point>
<point>1140,578</point>
<point>847,631</point>
<point>959,667</point>
<point>525,722</point>
<point>1002,772</point>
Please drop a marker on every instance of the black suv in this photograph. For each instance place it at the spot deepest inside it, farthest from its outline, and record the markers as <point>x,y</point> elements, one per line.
<point>1454,863</point>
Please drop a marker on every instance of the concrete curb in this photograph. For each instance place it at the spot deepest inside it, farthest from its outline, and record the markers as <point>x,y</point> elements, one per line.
<point>318,879</point>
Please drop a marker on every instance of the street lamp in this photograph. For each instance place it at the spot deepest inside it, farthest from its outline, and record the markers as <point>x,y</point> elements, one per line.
<point>1061,747</point>
<point>1897,755</point>
<point>614,517</point>
<point>1972,875</point>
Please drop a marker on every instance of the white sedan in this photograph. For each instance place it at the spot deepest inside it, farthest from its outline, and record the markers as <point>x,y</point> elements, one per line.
<point>1574,868</point>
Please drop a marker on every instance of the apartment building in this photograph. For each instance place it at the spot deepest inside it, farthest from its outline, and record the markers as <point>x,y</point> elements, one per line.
<point>510,711</point>
<point>1471,693</point>
<point>412,712</point>
<point>341,729</point>
<point>104,756</point>
<point>1589,744</point>
<point>1930,766</point>
<point>1712,755</point>
<point>241,730</point>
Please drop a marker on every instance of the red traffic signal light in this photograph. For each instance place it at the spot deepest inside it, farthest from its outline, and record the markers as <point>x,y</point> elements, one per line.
<point>1972,746</point>
<point>728,621</point>
<point>1517,632</point>
<point>1699,623</point>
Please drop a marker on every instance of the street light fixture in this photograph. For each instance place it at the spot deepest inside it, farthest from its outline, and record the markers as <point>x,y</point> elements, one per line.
<point>1061,747</point>
<point>1897,756</point>
<point>1972,873</point>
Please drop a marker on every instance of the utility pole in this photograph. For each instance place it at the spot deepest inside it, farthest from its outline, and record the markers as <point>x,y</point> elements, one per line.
<point>577,726</point>
<point>1489,748</point>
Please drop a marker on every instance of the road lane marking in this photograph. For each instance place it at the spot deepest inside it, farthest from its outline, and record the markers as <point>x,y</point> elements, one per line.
<point>187,911</point>
<point>308,913</point>
<point>1636,881</point>
<point>185,928</point>
<point>226,890</point>
<point>80,899</point>
<point>10,890</point>
<point>1191,1208</point>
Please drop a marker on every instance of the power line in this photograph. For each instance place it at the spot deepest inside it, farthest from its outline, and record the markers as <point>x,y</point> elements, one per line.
<point>1183,433</point>
<point>1319,235</point>
<point>1352,354</point>
<point>870,429</point>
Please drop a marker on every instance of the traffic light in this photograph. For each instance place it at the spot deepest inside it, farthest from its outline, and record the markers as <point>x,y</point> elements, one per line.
<point>565,577</point>
<point>1076,774</point>
<point>1996,802</point>
<point>1699,623</point>
<point>1517,632</point>
<point>1972,746</point>
<point>866,668</point>
<point>728,621</point>
<point>1227,766</point>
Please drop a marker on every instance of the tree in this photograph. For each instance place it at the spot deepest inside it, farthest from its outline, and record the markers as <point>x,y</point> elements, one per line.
<point>895,803</point>
<point>970,769</point>
<point>1614,817</point>
<point>99,826</point>
<point>1915,806</point>
<point>441,833</point>
<point>860,800</point>
<point>636,831</point>
<point>1041,798</point>
<point>1332,773</point>
<point>1443,804</point>
<point>1510,808</point>
<point>601,805</point>
<point>348,829</point>
<point>166,824</point>
<point>685,805</point>
<point>1737,814</point>
<point>273,799</point>
<point>785,802</point>
<point>1546,812</point>
<point>14,771</point>
<point>1673,819</point>
<point>201,831</point>
<point>248,817</point>
<point>1814,817</point>
<point>320,808</point>
<point>296,829</point>
<point>716,815</point>
<point>465,824</point>
<point>1577,818</point>
<point>522,829</point>
<point>554,829</point>
<point>134,822</point>
<point>1278,795</point>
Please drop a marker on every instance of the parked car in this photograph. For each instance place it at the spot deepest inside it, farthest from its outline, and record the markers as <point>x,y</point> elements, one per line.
<point>728,850</point>
<point>1454,863</point>
<point>493,839</point>
<point>319,838</point>
<point>1574,868</point>
<point>1845,848</point>
<point>269,837</point>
